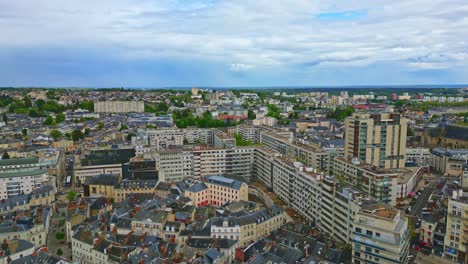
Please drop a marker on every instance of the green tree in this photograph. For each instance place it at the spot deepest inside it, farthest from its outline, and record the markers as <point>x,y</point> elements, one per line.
<point>76,135</point>
<point>59,118</point>
<point>251,114</point>
<point>5,118</point>
<point>123,127</point>
<point>59,252</point>
<point>71,194</point>
<point>100,125</point>
<point>24,132</point>
<point>59,235</point>
<point>55,134</point>
<point>49,121</point>
<point>129,136</point>
<point>40,104</point>
<point>5,155</point>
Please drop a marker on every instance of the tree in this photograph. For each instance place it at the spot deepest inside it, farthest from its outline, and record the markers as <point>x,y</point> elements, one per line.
<point>129,136</point>
<point>71,194</point>
<point>59,235</point>
<point>55,133</point>
<point>123,127</point>
<point>5,118</point>
<point>49,121</point>
<point>76,135</point>
<point>24,132</point>
<point>251,115</point>
<point>100,125</point>
<point>59,252</point>
<point>5,155</point>
<point>59,118</point>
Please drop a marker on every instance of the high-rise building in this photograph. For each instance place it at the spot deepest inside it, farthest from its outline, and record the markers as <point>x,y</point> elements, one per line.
<point>377,139</point>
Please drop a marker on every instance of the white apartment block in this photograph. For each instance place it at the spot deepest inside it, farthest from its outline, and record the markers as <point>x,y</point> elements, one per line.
<point>163,138</point>
<point>456,235</point>
<point>418,156</point>
<point>119,106</point>
<point>310,156</point>
<point>380,184</point>
<point>199,135</point>
<point>174,165</point>
<point>250,133</point>
<point>380,234</point>
<point>234,162</point>
<point>13,183</point>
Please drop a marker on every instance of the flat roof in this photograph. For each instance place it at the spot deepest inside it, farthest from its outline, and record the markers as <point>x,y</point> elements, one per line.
<point>22,173</point>
<point>10,162</point>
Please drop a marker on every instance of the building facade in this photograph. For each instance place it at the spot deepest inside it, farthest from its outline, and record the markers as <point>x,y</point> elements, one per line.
<point>377,139</point>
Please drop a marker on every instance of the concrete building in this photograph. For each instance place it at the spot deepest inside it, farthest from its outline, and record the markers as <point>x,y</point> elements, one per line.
<point>418,156</point>
<point>234,162</point>
<point>119,106</point>
<point>174,165</point>
<point>448,161</point>
<point>456,235</point>
<point>380,234</point>
<point>223,140</point>
<point>15,182</point>
<point>377,139</point>
<point>163,138</point>
<point>380,184</point>
<point>310,156</point>
<point>217,191</point>
<point>250,133</point>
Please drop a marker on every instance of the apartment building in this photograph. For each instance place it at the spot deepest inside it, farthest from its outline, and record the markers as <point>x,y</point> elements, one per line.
<point>418,156</point>
<point>380,184</point>
<point>448,161</point>
<point>199,135</point>
<point>217,190</point>
<point>377,139</point>
<point>174,165</point>
<point>223,140</point>
<point>249,227</point>
<point>235,162</point>
<point>456,235</point>
<point>464,178</point>
<point>250,133</point>
<point>15,182</point>
<point>380,234</point>
<point>163,138</point>
<point>119,106</point>
<point>310,156</point>
<point>263,164</point>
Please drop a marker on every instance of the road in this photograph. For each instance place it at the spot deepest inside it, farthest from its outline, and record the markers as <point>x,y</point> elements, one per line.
<point>421,202</point>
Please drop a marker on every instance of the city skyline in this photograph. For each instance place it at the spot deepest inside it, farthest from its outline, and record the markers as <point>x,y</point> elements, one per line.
<point>221,43</point>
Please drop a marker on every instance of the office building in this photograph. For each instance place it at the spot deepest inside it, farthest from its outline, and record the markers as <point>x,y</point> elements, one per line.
<point>377,139</point>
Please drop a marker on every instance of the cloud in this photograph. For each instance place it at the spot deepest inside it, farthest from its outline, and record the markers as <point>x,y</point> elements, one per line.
<point>258,36</point>
<point>240,67</point>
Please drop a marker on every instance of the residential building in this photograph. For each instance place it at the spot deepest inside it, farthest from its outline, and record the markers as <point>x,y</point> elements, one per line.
<point>380,234</point>
<point>456,235</point>
<point>163,138</point>
<point>119,106</point>
<point>448,161</point>
<point>217,190</point>
<point>377,139</point>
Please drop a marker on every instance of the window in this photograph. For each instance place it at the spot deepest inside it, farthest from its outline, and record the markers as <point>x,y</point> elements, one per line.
<point>358,230</point>
<point>377,234</point>
<point>369,233</point>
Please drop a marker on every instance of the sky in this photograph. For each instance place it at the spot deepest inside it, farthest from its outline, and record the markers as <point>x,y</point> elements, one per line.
<point>239,43</point>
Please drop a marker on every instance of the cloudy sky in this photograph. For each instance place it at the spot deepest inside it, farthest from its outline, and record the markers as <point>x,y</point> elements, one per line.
<point>139,43</point>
